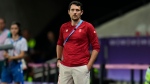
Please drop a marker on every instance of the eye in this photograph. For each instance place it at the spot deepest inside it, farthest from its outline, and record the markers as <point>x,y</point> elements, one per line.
<point>72,9</point>
<point>77,10</point>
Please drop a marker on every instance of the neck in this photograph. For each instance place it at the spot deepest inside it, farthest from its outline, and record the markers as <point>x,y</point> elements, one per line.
<point>15,37</point>
<point>74,23</point>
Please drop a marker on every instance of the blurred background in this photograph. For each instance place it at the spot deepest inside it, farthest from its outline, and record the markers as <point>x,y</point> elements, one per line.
<point>123,28</point>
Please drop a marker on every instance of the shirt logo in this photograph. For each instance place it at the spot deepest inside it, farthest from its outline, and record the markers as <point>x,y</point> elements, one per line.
<point>66,30</point>
<point>80,30</point>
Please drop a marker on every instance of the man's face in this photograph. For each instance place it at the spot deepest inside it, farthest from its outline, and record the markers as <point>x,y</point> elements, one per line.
<point>25,34</point>
<point>2,24</point>
<point>75,12</point>
<point>50,36</point>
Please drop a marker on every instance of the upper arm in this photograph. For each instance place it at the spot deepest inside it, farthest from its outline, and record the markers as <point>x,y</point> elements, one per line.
<point>93,38</point>
<point>24,46</point>
<point>60,39</point>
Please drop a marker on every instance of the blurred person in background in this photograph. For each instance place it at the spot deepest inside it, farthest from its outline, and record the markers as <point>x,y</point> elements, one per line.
<point>50,51</point>
<point>73,56</point>
<point>31,45</point>
<point>30,55</point>
<point>4,33</point>
<point>12,69</point>
<point>50,47</point>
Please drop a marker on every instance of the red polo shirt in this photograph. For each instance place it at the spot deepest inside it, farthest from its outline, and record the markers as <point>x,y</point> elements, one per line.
<point>76,50</point>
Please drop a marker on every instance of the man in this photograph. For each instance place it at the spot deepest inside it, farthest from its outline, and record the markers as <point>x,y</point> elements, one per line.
<point>73,56</point>
<point>3,35</point>
<point>50,50</point>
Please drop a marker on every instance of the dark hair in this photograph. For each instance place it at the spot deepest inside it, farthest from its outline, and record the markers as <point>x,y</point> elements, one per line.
<point>3,19</point>
<point>19,26</point>
<point>77,3</point>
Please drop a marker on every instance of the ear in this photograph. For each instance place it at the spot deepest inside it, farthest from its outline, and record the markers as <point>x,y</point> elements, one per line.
<point>68,12</point>
<point>81,12</point>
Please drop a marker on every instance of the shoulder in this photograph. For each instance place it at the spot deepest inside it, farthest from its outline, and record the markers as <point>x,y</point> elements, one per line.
<point>65,24</point>
<point>8,40</point>
<point>88,24</point>
<point>6,30</point>
<point>23,39</point>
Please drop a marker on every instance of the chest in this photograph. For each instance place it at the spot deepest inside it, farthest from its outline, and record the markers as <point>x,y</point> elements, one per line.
<point>78,34</point>
<point>3,37</point>
<point>17,47</point>
<point>17,44</point>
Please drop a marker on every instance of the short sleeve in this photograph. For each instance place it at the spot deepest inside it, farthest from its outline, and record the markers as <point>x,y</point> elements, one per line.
<point>24,46</point>
<point>7,41</point>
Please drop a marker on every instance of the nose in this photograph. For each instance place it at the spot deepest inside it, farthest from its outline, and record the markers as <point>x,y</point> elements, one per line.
<point>74,11</point>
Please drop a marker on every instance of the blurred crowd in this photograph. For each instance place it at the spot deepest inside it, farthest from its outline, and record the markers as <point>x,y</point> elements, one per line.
<point>37,52</point>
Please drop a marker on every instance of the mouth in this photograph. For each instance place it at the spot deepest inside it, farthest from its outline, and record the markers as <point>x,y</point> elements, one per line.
<point>75,16</point>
